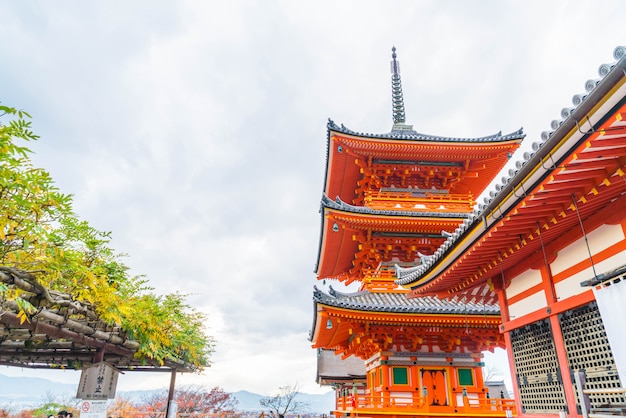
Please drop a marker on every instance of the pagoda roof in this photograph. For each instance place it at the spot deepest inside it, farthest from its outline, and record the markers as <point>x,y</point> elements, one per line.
<point>364,323</point>
<point>367,301</point>
<point>340,220</point>
<point>479,159</point>
<point>575,172</point>
<point>411,135</point>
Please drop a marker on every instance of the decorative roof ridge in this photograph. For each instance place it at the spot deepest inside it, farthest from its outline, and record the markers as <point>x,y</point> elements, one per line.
<point>338,294</point>
<point>346,207</point>
<point>416,136</point>
<point>404,271</point>
<point>335,294</point>
<point>399,303</point>
<point>560,127</point>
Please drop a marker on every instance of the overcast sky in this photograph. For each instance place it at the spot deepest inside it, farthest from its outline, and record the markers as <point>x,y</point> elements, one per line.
<point>195,131</point>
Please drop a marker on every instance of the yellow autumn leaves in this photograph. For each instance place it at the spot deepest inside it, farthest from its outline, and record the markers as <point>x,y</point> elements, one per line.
<point>68,261</point>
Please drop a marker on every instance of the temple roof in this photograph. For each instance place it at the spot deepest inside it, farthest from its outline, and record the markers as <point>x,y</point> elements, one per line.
<point>399,303</point>
<point>582,156</point>
<point>466,165</point>
<point>364,323</point>
<point>411,135</point>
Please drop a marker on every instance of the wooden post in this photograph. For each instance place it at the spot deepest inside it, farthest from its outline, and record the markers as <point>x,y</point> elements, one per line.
<point>170,395</point>
<point>583,399</point>
<point>98,357</point>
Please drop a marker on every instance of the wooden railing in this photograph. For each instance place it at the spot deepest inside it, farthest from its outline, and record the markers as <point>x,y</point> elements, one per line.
<point>143,414</point>
<point>418,201</point>
<point>607,410</point>
<point>416,403</point>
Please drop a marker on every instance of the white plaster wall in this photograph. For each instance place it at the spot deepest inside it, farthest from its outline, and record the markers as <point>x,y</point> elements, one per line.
<point>402,397</point>
<point>524,281</point>
<point>571,286</point>
<point>528,305</point>
<point>599,239</point>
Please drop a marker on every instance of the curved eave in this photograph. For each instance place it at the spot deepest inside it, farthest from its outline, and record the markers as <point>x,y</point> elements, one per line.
<point>342,322</point>
<point>338,248</point>
<point>413,136</point>
<point>343,148</point>
<point>586,161</point>
<point>342,171</point>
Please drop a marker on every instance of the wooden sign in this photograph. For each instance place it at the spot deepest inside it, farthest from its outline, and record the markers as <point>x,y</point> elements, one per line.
<point>98,382</point>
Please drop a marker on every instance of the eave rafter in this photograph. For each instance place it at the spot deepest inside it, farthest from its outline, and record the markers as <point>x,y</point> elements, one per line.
<point>363,340</point>
<point>363,334</point>
<point>580,183</point>
<point>415,224</point>
<point>423,150</point>
<point>358,164</point>
<point>538,221</point>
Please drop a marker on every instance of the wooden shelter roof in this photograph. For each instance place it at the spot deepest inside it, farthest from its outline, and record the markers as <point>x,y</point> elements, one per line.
<point>69,335</point>
<point>574,174</point>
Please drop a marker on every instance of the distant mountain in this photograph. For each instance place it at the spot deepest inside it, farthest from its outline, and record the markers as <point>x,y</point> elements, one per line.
<point>249,402</point>
<point>25,392</point>
<point>318,404</point>
<point>18,391</point>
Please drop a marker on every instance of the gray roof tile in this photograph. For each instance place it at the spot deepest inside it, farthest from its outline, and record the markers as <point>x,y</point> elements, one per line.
<point>399,303</point>
<point>406,277</point>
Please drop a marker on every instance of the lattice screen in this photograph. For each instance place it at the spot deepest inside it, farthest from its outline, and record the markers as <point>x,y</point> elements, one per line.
<point>588,350</point>
<point>536,365</point>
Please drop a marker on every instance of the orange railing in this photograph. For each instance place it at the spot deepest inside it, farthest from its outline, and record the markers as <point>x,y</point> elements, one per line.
<point>143,414</point>
<point>418,201</point>
<point>416,403</point>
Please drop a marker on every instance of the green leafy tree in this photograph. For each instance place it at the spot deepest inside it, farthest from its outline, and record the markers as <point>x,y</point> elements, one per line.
<point>51,408</point>
<point>45,246</point>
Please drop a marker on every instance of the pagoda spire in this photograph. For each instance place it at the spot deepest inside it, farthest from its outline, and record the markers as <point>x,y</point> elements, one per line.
<point>397,98</point>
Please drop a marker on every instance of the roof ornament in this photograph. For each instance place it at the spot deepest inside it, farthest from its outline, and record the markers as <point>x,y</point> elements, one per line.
<point>399,117</point>
<point>424,258</point>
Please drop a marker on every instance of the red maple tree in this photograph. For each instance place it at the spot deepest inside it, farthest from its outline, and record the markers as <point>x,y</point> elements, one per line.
<point>190,399</point>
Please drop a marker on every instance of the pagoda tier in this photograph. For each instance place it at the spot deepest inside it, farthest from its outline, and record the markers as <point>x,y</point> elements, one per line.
<point>365,323</point>
<point>362,165</point>
<point>360,243</point>
<point>405,193</point>
<point>422,356</point>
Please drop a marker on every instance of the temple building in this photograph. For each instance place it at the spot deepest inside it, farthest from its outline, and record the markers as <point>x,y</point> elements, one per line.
<point>390,202</point>
<point>549,240</point>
